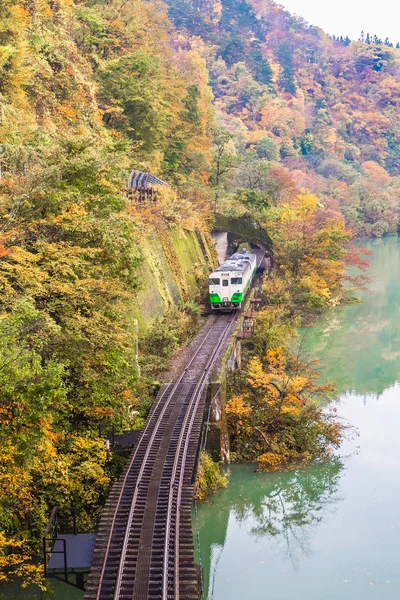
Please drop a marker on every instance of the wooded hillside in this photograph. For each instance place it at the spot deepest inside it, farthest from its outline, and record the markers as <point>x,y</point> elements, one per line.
<point>296,107</point>
<point>88,91</point>
<point>238,106</point>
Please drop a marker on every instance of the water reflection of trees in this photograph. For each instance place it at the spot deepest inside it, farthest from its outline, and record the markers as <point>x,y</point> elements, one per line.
<point>289,505</point>
<point>358,345</point>
<point>286,507</point>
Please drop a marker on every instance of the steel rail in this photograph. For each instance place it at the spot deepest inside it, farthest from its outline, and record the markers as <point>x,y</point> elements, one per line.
<point>180,462</point>
<point>148,426</point>
<point>125,543</point>
<point>127,473</point>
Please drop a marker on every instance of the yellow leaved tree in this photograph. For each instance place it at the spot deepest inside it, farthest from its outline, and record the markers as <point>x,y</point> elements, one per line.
<point>310,250</point>
<point>278,419</point>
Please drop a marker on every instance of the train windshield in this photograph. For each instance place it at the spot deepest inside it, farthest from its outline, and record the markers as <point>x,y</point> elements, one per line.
<point>214,281</point>
<point>236,281</point>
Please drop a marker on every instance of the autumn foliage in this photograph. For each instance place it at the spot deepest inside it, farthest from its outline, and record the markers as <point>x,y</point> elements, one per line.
<point>310,247</point>
<point>241,107</point>
<point>277,419</point>
<point>88,91</point>
<point>293,102</point>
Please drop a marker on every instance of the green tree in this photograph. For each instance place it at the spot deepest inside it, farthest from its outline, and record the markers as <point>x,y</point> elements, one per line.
<point>307,143</point>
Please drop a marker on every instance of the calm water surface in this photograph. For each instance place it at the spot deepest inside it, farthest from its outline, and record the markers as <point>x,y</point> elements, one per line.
<point>330,531</point>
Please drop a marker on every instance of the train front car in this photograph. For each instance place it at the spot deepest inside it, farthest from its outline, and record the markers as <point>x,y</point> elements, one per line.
<point>229,283</point>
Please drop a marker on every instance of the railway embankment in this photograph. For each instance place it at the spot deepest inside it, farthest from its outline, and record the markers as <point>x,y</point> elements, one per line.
<point>144,546</point>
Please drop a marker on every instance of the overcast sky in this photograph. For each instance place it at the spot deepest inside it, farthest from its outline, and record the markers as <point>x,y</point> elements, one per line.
<point>349,17</point>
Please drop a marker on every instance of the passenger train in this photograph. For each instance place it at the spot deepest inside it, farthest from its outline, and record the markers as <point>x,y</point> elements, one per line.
<point>229,283</point>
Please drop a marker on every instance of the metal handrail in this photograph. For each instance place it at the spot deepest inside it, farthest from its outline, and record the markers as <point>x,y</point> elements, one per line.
<point>53,520</point>
<point>52,551</point>
<point>51,535</point>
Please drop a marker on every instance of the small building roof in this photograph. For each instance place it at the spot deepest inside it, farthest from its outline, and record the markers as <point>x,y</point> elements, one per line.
<point>139,180</point>
<point>79,547</point>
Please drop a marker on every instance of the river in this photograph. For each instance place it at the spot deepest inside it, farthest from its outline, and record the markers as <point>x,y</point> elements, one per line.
<point>330,531</point>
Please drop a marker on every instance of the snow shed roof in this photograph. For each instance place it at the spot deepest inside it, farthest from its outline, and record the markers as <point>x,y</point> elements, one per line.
<point>139,180</point>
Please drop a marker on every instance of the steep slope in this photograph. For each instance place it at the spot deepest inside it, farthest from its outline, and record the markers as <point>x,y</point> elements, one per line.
<point>88,91</point>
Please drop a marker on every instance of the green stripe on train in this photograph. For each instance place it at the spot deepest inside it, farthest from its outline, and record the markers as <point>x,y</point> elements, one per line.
<point>238,297</point>
<point>215,299</point>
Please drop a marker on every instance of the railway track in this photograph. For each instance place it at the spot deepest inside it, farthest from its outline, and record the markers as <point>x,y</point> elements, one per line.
<point>144,547</point>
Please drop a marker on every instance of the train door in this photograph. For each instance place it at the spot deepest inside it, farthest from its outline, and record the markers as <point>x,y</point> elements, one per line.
<point>225,289</point>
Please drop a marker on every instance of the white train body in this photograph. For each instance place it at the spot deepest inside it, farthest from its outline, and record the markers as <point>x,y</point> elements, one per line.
<point>229,283</point>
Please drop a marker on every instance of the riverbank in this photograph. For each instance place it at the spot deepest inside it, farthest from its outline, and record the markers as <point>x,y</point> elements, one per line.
<point>329,530</point>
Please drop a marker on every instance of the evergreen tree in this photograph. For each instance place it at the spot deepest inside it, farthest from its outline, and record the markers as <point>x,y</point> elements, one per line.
<point>286,80</point>
<point>234,50</point>
<point>259,66</point>
<point>307,143</point>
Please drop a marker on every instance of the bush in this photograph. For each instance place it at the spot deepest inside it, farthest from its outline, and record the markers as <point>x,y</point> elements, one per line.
<point>166,335</point>
<point>209,477</point>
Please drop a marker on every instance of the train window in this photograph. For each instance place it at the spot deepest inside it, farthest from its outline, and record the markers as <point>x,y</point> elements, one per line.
<point>214,282</point>
<point>225,282</point>
<point>236,281</point>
